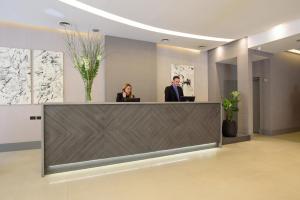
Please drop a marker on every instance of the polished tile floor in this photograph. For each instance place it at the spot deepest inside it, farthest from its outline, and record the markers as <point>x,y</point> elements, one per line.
<point>266,168</point>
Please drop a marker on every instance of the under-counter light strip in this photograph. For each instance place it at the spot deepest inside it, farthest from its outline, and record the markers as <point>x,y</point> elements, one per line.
<point>294,51</point>
<point>116,18</point>
<point>84,174</point>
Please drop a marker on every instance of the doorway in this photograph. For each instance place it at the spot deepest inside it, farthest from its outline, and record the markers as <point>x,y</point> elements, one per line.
<point>256,105</point>
<point>227,74</point>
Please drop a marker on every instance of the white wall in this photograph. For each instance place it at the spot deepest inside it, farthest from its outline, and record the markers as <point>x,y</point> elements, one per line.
<point>16,126</point>
<point>168,55</point>
<point>15,36</point>
<point>14,120</point>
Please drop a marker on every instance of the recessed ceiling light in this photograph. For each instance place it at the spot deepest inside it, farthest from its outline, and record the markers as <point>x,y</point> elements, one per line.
<point>294,51</point>
<point>64,23</point>
<point>165,40</point>
<point>116,18</point>
<point>95,30</point>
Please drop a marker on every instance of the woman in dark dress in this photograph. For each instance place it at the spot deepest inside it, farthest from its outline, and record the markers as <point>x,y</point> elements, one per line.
<point>125,94</point>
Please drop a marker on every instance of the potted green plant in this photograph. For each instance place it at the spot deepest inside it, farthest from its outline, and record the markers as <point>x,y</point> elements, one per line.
<point>87,53</point>
<point>230,105</point>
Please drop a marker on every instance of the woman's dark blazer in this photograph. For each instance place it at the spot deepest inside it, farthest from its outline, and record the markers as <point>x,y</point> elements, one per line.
<point>120,97</point>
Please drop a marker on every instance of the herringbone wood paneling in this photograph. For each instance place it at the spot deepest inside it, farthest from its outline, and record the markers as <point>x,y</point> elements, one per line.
<point>75,133</point>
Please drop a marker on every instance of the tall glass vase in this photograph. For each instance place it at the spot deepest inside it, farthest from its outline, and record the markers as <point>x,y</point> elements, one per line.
<point>88,90</point>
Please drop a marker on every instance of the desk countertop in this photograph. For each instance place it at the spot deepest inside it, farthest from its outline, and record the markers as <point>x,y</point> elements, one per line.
<point>130,103</point>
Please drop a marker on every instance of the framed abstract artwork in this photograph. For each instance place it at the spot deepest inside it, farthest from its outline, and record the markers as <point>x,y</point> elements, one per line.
<point>15,76</point>
<point>187,77</point>
<point>47,74</point>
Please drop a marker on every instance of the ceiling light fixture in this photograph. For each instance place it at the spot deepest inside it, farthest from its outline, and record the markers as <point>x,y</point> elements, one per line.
<point>96,30</point>
<point>116,18</point>
<point>294,51</point>
<point>64,24</point>
<point>165,40</point>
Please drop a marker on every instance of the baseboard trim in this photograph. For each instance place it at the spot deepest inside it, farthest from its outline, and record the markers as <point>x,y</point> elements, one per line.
<point>280,132</point>
<point>265,132</point>
<point>20,146</point>
<point>238,139</point>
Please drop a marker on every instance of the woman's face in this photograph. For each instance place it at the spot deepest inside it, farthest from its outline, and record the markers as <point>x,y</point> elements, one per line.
<point>128,90</point>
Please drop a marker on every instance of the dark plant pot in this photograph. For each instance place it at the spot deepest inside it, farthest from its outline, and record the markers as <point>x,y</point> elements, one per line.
<point>229,128</point>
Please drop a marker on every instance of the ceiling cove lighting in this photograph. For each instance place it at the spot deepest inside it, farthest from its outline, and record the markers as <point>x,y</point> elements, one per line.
<point>116,18</point>
<point>294,51</point>
<point>197,51</point>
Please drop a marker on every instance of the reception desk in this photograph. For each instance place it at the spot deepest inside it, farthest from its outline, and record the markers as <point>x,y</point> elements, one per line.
<point>77,136</point>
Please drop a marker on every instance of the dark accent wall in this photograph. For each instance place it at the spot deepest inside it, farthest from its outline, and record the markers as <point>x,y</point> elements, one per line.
<point>130,61</point>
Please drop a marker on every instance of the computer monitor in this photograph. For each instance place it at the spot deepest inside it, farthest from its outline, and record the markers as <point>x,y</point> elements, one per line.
<point>187,98</point>
<point>133,100</point>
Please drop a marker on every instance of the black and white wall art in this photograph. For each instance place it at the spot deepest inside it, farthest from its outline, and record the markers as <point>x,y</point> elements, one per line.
<point>15,76</point>
<point>47,77</point>
<point>186,74</point>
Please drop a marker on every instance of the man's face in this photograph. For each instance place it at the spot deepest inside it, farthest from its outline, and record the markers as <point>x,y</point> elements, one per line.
<point>176,82</point>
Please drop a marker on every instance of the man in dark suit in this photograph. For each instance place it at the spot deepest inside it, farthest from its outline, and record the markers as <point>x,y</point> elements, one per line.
<point>174,91</point>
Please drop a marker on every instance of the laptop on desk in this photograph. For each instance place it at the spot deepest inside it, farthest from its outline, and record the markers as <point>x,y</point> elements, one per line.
<point>133,100</point>
<point>187,98</point>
